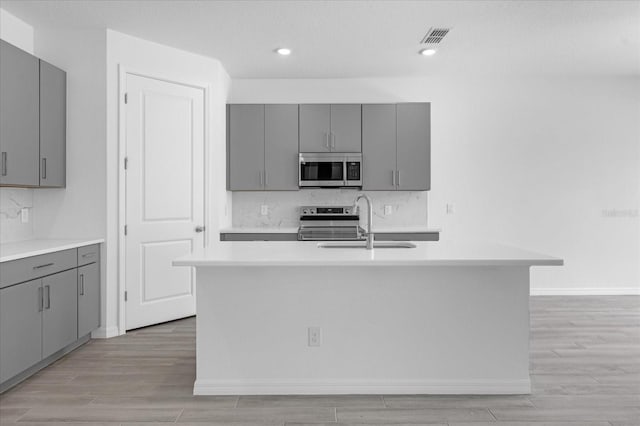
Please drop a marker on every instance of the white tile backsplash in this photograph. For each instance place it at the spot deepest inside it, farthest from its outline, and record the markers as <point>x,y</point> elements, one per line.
<point>12,201</point>
<point>408,208</point>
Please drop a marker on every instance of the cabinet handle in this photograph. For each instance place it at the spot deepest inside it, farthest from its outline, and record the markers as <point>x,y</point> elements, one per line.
<point>261,178</point>
<point>326,135</point>
<point>48,292</point>
<point>398,178</point>
<point>40,299</point>
<point>333,140</point>
<point>393,178</point>
<point>4,164</point>
<point>44,266</point>
<point>44,168</point>
<point>265,178</point>
<point>89,254</point>
<point>81,284</point>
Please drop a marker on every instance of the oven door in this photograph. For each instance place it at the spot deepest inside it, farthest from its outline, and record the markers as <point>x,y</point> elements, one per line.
<point>321,170</point>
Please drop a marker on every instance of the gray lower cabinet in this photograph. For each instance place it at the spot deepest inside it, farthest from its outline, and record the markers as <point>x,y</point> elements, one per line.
<point>53,117</point>
<point>330,128</point>
<point>20,328</point>
<point>88,298</point>
<point>19,111</point>
<point>60,313</point>
<point>47,303</point>
<point>396,147</point>
<point>262,147</point>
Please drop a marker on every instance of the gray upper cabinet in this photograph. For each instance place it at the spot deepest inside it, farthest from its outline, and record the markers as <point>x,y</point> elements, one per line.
<point>20,328</point>
<point>315,126</point>
<point>414,146</point>
<point>246,147</point>
<point>330,128</point>
<point>19,105</point>
<point>262,147</point>
<point>88,298</point>
<point>379,147</point>
<point>53,109</point>
<point>281,147</point>
<point>60,311</point>
<point>396,147</point>
<point>346,128</point>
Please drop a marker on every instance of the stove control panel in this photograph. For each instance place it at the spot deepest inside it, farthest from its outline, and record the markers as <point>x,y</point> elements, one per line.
<point>326,210</point>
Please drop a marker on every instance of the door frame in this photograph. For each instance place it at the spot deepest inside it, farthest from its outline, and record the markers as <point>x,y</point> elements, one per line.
<point>122,188</point>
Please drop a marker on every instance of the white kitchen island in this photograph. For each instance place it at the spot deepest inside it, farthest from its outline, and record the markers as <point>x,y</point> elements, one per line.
<point>440,318</point>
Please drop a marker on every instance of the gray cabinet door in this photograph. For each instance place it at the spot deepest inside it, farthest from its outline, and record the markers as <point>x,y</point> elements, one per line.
<point>20,328</point>
<point>379,147</point>
<point>60,314</point>
<point>414,146</point>
<point>246,147</point>
<point>315,126</point>
<point>19,143</point>
<point>88,298</point>
<point>53,117</point>
<point>281,147</point>
<point>346,126</point>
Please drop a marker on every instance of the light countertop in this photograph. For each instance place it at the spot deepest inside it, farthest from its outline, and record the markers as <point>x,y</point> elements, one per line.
<point>300,253</point>
<point>22,249</point>
<point>292,230</point>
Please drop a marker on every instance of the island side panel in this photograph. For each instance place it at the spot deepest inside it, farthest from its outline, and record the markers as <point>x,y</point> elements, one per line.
<point>385,329</point>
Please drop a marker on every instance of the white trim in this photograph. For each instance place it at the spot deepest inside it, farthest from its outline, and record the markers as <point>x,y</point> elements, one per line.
<point>105,332</point>
<point>122,149</point>
<point>371,387</point>
<point>586,291</point>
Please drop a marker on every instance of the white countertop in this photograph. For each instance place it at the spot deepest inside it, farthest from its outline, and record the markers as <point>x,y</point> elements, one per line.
<point>292,230</point>
<point>21,249</point>
<point>298,253</point>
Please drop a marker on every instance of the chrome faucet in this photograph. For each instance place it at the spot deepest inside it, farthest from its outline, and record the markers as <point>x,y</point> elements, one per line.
<point>369,217</point>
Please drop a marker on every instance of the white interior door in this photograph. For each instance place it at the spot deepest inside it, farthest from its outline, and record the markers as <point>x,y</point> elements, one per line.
<point>164,197</point>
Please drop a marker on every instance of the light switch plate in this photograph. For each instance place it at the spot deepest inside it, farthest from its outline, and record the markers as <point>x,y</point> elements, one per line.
<point>388,210</point>
<point>264,210</point>
<point>24,215</point>
<point>450,208</point>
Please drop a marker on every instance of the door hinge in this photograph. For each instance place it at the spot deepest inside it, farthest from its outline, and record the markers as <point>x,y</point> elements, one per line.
<point>126,98</point>
<point>125,230</point>
<point>126,163</point>
<point>125,296</point>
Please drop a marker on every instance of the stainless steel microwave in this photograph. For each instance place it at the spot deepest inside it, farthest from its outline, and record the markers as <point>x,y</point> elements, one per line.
<point>330,169</point>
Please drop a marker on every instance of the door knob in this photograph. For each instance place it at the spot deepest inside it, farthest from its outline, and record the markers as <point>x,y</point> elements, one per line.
<point>199,228</point>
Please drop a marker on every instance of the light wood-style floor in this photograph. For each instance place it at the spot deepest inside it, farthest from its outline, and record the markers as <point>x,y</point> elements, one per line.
<point>585,370</point>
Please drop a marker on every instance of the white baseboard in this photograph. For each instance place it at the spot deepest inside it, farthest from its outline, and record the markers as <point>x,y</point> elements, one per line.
<point>586,291</point>
<point>105,332</point>
<point>350,387</point>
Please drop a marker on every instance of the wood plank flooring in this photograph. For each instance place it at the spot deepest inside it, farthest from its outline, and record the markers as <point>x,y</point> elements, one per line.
<point>585,369</point>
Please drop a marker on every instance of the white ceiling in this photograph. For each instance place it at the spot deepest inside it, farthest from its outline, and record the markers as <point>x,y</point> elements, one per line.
<point>345,39</point>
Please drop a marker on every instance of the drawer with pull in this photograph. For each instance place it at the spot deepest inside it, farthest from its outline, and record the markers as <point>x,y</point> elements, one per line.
<point>88,254</point>
<point>29,268</point>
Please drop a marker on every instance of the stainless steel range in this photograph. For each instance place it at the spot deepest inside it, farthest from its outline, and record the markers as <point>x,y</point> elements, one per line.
<point>322,223</point>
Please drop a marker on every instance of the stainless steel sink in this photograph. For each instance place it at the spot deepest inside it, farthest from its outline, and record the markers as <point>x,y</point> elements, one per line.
<point>363,244</point>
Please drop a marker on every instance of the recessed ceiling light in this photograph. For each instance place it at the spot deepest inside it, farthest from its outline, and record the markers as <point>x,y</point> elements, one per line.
<point>283,51</point>
<point>428,52</point>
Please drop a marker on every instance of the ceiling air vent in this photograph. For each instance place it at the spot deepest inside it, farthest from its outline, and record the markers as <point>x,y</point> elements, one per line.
<point>435,35</point>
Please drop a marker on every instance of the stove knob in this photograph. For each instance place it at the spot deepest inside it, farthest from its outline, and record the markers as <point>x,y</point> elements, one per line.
<point>305,211</point>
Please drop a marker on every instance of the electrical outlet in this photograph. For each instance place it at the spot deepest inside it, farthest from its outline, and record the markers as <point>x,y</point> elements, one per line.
<point>315,336</point>
<point>388,210</point>
<point>450,208</point>
<point>264,210</point>
<point>24,215</point>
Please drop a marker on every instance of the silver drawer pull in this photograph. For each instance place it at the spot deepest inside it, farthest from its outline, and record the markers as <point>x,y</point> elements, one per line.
<point>89,254</point>
<point>48,292</point>
<point>44,168</point>
<point>43,266</point>
<point>81,284</point>
<point>4,164</point>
